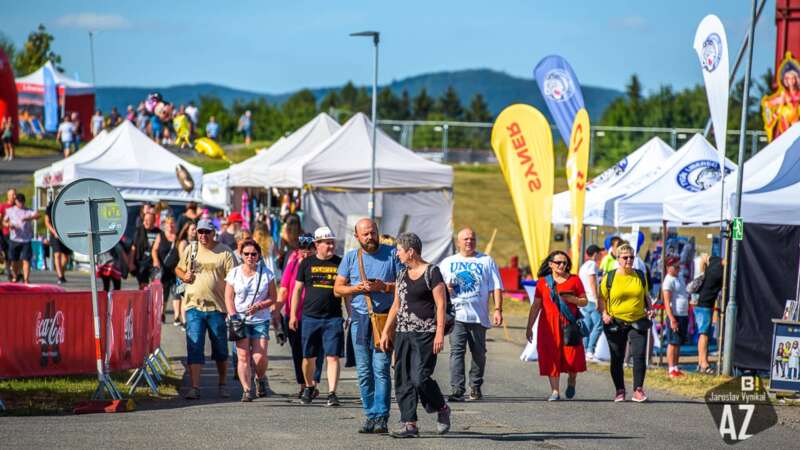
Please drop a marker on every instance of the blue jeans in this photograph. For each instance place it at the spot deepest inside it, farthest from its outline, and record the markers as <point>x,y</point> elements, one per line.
<point>374,381</point>
<point>197,322</point>
<point>593,320</point>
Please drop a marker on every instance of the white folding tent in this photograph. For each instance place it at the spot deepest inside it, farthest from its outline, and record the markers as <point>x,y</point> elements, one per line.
<point>254,172</point>
<point>413,194</point>
<point>693,168</point>
<point>131,162</point>
<point>770,186</point>
<point>642,161</point>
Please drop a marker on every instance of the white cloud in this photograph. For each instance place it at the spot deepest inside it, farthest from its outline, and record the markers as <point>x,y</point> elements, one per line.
<point>632,22</point>
<point>93,21</point>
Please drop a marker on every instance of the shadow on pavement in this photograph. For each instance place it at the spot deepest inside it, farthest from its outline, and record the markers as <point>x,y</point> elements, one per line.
<point>540,436</point>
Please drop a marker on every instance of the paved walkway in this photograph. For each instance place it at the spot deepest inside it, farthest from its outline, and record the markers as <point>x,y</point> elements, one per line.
<point>514,413</point>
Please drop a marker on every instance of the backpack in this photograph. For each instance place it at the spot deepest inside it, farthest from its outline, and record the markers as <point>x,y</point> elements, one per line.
<point>610,279</point>
<point>449,311</point>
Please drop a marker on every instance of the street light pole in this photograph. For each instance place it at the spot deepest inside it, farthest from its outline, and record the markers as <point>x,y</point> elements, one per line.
<point>376,37</point>
<point>732,307</point>
<point>91,51</point>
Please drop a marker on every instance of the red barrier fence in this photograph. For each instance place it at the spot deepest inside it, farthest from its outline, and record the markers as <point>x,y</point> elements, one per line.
<point>47,334</point>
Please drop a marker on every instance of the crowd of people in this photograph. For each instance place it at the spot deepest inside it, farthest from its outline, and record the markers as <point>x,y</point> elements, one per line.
<point>380,304</point>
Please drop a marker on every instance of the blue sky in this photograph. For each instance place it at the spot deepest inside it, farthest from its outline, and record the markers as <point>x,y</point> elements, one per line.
<point>280,46</point>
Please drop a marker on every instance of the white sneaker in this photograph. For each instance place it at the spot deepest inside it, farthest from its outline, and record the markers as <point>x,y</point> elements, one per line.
<point>589,356</point>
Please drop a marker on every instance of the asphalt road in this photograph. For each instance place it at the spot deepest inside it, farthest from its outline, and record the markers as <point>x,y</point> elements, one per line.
<point>514,413</point>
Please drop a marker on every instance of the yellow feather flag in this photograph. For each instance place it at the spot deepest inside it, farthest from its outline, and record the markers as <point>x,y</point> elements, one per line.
<point>577,166</point>
<point>523,144</point>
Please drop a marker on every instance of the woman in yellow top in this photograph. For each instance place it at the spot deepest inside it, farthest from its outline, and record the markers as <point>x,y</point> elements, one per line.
<point>624,304</point>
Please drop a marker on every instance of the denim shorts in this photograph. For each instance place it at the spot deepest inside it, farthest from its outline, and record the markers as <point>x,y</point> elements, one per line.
<point>257,330</point>
<point>702,319</point>
<point>327,334</point>
<point>197,322</point>
<point>678,337</point>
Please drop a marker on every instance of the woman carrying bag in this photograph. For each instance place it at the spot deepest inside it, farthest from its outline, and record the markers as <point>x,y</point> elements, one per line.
<point>418,317</point>
<point>559,343</point>
<point>625,307</point>
<point>249,295</point>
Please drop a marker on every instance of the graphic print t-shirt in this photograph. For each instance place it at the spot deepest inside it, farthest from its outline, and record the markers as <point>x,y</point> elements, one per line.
<point>318,276</point>
<point>473,277</point>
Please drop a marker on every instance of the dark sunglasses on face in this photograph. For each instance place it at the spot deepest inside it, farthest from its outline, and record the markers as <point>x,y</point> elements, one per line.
<point>306,242</point>
<point>203,231</point>
<point>626,258</point>
<point>559,263</point>
<point>249,253</point>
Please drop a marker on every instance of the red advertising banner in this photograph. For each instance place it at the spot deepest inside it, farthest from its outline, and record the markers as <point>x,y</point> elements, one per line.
<point>47,334</point>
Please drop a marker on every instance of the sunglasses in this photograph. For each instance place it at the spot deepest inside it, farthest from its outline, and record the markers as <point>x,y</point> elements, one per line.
<point>204,231</point>
<point>249,253</point>
<point>306,242</point>
<point>626,258</point>
<point>559,263</point>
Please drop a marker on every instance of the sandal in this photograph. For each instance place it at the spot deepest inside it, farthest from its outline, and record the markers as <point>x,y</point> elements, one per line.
<point>707,370</point>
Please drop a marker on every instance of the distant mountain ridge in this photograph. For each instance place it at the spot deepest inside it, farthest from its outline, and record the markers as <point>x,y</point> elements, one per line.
<point>498,88</point>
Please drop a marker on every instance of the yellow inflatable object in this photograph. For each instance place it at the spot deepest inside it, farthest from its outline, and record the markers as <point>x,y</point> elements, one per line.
<point>210,148</point>
<point>182,130</point>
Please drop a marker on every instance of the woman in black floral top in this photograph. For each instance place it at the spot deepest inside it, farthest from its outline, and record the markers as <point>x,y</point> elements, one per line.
<point>418,317</point>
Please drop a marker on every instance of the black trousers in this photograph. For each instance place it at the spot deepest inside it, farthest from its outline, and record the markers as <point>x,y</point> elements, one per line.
<point>414,366</point>
<point>296,344</point>
<point>617,341</point>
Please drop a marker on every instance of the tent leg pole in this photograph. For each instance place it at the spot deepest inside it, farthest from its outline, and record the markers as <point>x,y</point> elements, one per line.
<point>722,299</point>
<point>661,282</point>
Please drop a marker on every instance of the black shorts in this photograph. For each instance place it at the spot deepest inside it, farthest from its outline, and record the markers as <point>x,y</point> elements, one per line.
<point>58,247</point>
<point>20,251</point>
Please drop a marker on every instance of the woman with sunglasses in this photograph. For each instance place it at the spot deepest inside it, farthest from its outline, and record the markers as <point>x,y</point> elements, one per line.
<point>555,357</point>
<point>304,250</point>
<point>249,293</point>
<point>624,305</point>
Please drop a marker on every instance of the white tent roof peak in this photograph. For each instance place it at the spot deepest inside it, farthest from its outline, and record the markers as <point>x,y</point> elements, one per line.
<point>71,85</point>
<point>253,172</point>
<point>344,161</point>
<point>130,161</point>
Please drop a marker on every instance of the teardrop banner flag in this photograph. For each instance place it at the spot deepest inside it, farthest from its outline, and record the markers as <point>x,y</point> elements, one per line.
<point>523,144</point>
<point>711,45</point>
<point>561,92</point>
<point>577,168</point>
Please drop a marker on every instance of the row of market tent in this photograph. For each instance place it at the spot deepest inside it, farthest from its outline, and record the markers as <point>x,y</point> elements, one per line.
<point>330,164</point>
<point>656,183</point>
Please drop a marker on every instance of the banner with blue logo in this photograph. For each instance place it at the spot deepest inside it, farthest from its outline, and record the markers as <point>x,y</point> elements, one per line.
<point>561,91</point>
<point>711,45</point>
<point>50,101</point>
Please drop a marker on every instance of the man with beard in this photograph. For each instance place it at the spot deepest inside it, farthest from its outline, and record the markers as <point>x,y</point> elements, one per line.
<point>373,292</point>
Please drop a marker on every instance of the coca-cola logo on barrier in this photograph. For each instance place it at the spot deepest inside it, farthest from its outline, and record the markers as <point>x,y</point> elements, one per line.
<point>128,330</point>
<point>50,333</point>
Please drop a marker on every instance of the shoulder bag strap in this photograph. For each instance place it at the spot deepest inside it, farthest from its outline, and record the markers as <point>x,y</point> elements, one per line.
<point>363,276</point>
<point>258,282</point>
<point>551,283</point>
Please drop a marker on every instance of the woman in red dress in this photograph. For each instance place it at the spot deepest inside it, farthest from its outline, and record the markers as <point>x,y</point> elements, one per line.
<point>556,358</point>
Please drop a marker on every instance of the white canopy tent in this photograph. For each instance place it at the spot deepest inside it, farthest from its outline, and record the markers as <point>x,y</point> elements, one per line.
<point>70,86</point>
<point>413,194</point>
<point>131,162</point>
<point>771,189</point>
<point>642,161</point>
<point>693,168</point>
<point>254,172</point>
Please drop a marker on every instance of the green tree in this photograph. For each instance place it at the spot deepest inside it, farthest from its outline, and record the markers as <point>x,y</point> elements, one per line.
<point>478,110</point>
<point>8,47</point>
<point>330,102</point>
<point>299,109</point>
<point>422,105</point>
<point>404,112</point>
<point>449,104</point>
<point>36,52</point>
<point>213,106</point>
<point>388,105</point>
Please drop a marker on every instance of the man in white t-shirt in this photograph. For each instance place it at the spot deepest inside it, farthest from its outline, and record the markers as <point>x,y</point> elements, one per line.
<point>66,135</point>
<point>588,274</point>
<point>472,277</point>
<point>676,304</point>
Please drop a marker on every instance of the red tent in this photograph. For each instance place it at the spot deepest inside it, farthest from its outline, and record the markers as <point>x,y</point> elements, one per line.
<point>8,93</point>
<point>73,96</point>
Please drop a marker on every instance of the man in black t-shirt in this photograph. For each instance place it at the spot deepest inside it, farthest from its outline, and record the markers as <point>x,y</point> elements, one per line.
<point>322,314</point>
